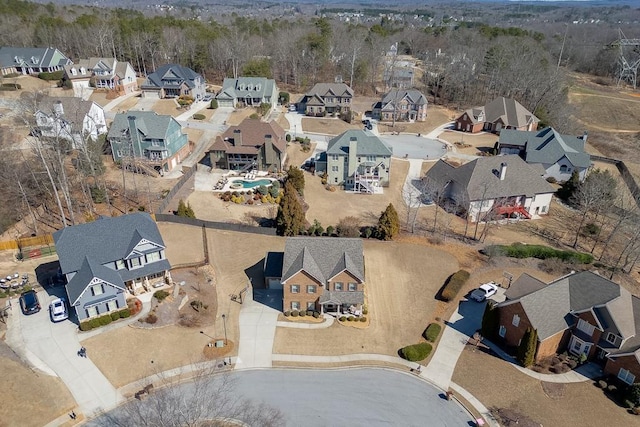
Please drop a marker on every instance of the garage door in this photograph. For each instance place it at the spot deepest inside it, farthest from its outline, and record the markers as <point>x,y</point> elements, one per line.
<point>274,284</point>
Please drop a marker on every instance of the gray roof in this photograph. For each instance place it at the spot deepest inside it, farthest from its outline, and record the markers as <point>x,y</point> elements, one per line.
<point>105,240</point>
<point>342,297</point>
<point>548,146</point>
<point>481,177</point>
<point>38,57</point>
<point>322,90</point>
<point>509,111</point>
<point>88,271</point>
<point>242,87</point>
<point>273,264</point>
<point>550,308</point>
<point>149,123</point>
<point>74,109</point>
<point>177,75</point>
<point>413,96</point>
<point>523,285</point>
<point>367,144</point>
<point>323,257</point>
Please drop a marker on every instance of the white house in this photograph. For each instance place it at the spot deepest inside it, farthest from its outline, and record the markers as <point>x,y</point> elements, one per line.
<point>103,73</point>
<point>491,187</point>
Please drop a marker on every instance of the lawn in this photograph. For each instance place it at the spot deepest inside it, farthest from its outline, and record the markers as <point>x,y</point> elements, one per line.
<point>497,384</point>
<point>167,107</point>
<point>436,116</point>
<point>468,143</point>
<point>401,282</point>
<point>328,125</point>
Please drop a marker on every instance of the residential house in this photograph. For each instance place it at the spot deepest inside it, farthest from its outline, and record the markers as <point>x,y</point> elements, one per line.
<point>248,92</point>
<point>152,140</point>
<point>559,155</point>
<point>107,259</point>
<point>253,144</point>
<point>172,81</point>
<point>582,313</point>
<point>501,113</point>
<point>31,60</point>
<point>357,160</point>
<point>101,73</point>
<point>326,98</point>
<point>399,74</point>
<point>407,105</point>
<point>70,118</point>
<point>491,187</point>
<point>323,274</point>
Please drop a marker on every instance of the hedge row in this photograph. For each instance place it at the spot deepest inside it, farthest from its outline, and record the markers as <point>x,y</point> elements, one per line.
<point>56,75</point>
<point>10,86</point>
<point>455,282</point>
<point>432,332</point>
<point>416,352</point>
<point>518,250</point>
<point>199,116</point>
<point>96,322</point>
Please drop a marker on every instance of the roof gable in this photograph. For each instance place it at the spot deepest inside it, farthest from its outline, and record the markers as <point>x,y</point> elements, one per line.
<point>89,274</point>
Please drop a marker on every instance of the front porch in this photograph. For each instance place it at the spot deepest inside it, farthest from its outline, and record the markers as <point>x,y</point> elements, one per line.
<point>341,303</point>
<point>149,283</point>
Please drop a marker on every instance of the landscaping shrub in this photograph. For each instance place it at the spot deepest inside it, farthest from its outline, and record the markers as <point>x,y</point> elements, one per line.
<point>161,295</point>
<point>115,316</point>
<point>94,323</point>
<point>365,310</point>
<point>124,313</point>
<point>602,384</point>
<point>214,104</point>
<point>316,314</point>
<point>432,332</point>
<point>105,320</point>
<point>302,313</point>
<point>287,313</point>
<point>453,285</point>
<point>199,116</point>
<point>295,313</point>
<point>343,318</point>
<point>363,319</point>
<point>518,250</point>
<point>10,86</point>
<point>572,363</point>
<point>416,352</point>
<point>612,388</point>
<point>85,326</point>
<point>56,75</point>
<point>151,318</point>
<point>551,180</point>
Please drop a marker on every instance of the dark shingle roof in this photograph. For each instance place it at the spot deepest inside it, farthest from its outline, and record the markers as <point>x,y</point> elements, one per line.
<point>481,177</point>
<point>38,57</point>
<point>414,96</point>
<point>342,297</point>
<point>104,240</point>
<point>253,134</point>
<point>178,74</point>
<point>149,123</point>
<point>323,257</point>
<point>509,111</point>
<point>367,144</point>
<point>548,146</point>
<point>87,272</point>
<point>246,86</point>
<point>524,285</point>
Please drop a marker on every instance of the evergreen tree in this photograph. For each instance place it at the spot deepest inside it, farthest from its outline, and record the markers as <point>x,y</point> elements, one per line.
<point>566,190</point>
<point>388,224</point>
<point>296,177</point>
<point>182,208</point>
<point>490,321</point>
<point>290,219</point>
<point>189,213</point>
<point>527,348</point>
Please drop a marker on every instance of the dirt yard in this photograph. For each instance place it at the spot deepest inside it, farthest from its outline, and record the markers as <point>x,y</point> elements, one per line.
<point>401,282</point>
<point>472,144</point>
<point>499,385</point>
<point>436,116</point>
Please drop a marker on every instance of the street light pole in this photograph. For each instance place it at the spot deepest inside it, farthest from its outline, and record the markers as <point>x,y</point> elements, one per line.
<point>224,321</point>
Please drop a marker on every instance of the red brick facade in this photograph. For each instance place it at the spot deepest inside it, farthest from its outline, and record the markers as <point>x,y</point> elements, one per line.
<point>301,292</point>
<point>630,363</point>
<point>465,124</point>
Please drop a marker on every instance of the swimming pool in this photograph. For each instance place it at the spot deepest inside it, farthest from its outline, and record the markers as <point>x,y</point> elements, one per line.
<point>241,183</point>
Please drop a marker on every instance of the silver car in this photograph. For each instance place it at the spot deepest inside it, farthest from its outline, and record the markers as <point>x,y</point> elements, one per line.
<point>58,310</point>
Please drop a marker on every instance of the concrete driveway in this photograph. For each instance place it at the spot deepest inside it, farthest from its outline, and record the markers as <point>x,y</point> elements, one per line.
<point>52,348</point>
<point>257,331</point>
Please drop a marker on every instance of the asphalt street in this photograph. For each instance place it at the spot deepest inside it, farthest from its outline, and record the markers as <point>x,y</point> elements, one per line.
<point>353,397</point>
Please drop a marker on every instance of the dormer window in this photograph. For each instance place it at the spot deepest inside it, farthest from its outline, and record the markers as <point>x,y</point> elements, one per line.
<point>74,72</point>
<point>241,86</point>
<point>257,87</point>
<point>83,71</point>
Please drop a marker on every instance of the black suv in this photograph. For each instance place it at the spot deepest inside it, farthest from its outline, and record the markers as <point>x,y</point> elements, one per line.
<point>29,302</point>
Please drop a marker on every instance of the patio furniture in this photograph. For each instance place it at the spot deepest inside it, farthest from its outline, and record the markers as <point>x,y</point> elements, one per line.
<point>4,285</point>
<point>15,276</point>
<point>15,285</point>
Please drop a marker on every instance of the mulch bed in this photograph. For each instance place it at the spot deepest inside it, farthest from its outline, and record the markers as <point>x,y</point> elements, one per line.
<point>511,418</point>
<point>554,391</point>
<point>213,352</point>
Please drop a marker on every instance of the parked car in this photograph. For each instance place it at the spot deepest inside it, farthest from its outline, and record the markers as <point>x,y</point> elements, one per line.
<point>485,291</point>
<point>292,107</point>
<point>29,302</point>
<point>58,310</point>
<point>208,97</point>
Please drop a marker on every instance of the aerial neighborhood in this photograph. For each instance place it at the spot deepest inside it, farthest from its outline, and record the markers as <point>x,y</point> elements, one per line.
<point>203,211</point>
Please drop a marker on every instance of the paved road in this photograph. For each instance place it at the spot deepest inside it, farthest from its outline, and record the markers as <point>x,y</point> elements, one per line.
<point>353,397</point>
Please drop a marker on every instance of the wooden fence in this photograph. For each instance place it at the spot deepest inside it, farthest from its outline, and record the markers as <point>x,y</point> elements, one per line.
<point>27,242</point>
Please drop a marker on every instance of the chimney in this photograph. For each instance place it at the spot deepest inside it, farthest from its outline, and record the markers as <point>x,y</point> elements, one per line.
<point>237,137</point>
<point>584,137</point>
<point>58,109</point>
<point>503,171</point>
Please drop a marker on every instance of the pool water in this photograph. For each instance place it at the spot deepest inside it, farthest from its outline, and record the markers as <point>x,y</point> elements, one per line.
<point>252,184</point>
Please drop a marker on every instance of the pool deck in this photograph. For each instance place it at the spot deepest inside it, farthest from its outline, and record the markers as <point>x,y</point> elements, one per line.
<point>224,183</point>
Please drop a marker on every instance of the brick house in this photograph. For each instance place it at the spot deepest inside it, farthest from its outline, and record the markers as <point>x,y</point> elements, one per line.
<point>581,313</point>
<point>323,274</point>
<point>501,113</point>
<point>408,105</point>
<point>326,98</point>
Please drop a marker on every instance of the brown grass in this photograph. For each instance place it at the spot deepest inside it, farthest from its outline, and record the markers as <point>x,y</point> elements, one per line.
<point>327,125</point>
<point>167,107</point>
<point>467,143</point>
<point>436,115</point>
<point>237,116</point>
<point>500,385</point>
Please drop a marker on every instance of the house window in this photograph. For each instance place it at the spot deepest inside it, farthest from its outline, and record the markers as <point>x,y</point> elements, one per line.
<point>92,311</point>
<point>337,286</point>
<point>334,168</point>
<point>295,289</point>
<point>112,305</point>
<point>295,305</point>
<point>97,290</point>
<point>335,180</point>
<point>626,376</point>
<point>334,157</point>
<point>516,320</point>
<point>120,264</point>
<point>585,327</point>
<point>311,305</point>
<point>563,168</point>
<point>611,338</point>
<point>311,289</point>
<point>353,287</point>
<point>153,256</point>
<point>134,262</point>
<point>503,331</point>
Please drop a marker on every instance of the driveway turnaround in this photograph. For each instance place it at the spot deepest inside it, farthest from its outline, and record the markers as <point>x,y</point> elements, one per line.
<point>353,397</point>
<point>53,348</point>
<point>415,147</point>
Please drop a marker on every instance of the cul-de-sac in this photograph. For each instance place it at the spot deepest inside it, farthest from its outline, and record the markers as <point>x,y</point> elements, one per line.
<point>295,213</point>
